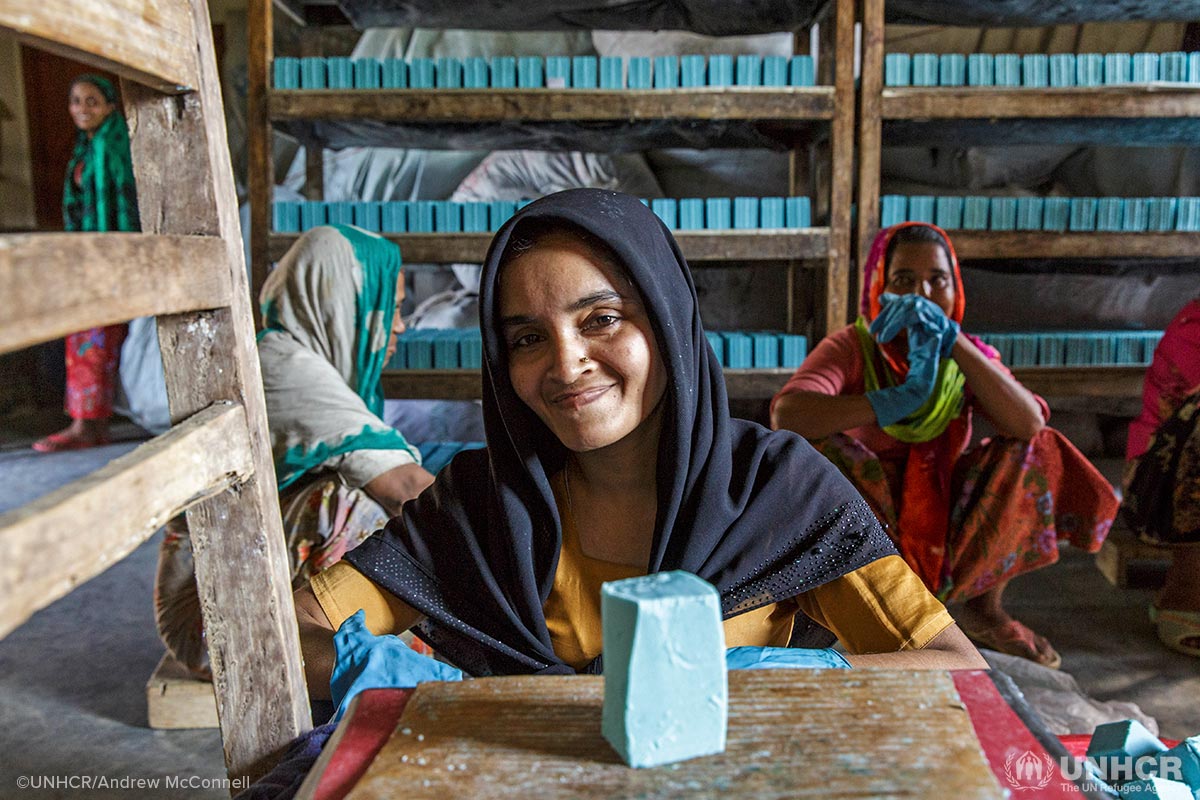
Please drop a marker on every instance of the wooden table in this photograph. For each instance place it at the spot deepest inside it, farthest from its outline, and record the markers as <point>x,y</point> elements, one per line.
<point>792,733</point>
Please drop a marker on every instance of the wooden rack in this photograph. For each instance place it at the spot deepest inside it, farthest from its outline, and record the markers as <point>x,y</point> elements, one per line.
<point>794,117</point>
<point>215,462</point>
<point>1156,113</point>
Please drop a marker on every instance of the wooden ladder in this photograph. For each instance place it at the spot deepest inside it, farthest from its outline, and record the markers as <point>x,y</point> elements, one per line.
<point>187,268</point>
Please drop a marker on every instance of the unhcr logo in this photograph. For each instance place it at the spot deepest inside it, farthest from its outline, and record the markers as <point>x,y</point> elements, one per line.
<point>1028,770</point>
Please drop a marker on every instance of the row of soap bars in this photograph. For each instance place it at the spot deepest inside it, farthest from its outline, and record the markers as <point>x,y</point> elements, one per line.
<point>445,216</point>
<point>1128,214</point>
<point>536,72</point>
<point>1037,71</point>
<point>462,348</point>
<point>1075,348</point>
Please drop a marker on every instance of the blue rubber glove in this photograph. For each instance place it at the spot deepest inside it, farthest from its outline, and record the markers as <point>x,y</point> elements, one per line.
<point>897,402</point>
<point>912,312</point>
<point>367,661</point>
<point>784,658</point>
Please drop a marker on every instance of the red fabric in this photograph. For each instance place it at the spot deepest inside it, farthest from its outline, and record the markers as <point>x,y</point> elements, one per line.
<point>1173,375</point>
<point>92,358</point>
<point>365,729</point>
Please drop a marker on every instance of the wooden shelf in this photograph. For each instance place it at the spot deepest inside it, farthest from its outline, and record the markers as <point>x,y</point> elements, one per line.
<point>1040,244</point>
<point>464,384</point>
<point>698,246</point>
<point>1099,383</point>
<point>1156,100</point>
<point>554,105</point>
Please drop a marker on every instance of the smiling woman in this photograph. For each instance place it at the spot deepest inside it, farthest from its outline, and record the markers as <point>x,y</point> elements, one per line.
<point>611,454</point>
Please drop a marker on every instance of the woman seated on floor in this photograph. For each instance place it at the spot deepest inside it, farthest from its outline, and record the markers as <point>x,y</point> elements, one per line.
<point>891,406</point>
<point>611,454</point>
<point>331,313</point>
<point>1162,478</point>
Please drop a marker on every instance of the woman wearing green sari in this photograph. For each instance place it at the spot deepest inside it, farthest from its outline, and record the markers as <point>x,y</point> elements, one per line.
<point>330,321</point>
<point>98,195</point>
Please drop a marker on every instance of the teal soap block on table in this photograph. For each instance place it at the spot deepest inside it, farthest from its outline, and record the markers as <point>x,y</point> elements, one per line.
<point>1160,213</point>
<point>612,72</point>
<point>447,216</point>
<point>792,350</point>
<point>666,72</point>
<point>666,694</point>
<point>1155,789</point>
<point>975,213</point>
<point>1003,214</point>
<point>445,349</point>
<point>1035,70</point>
<point>421,73</point>
<point>312,72</point>
<point>475,217</point>
<point>584,72</point>
<point>1182,763</point>
<point>1110,214</point>
<point>797,212</point>
<point>1089,69</point>
<point>393,216</point>
<point>771,212</point>
<point>421,215</point>
<point>739,350</point>
<point>718,213</point>
<point>1187,214</point>
<point>1029,213</point>
<point>1062,69</point>
<point>639,72</point>
<point>476,74</point>
<point>1144,67</point>
<point>667,210</point>
<point>745,212</point>
<point>766,350</point>
<point>448,73</point>
<point>470,348</point>
<point>1117,68</point>
<point>1173,66</point>
<point>339,213</point>
<point>717,343</point>
<point>1115,747</point>
<point>893,209</point>
<point>925,69</point>
<point>499,212</point>
<point>529,72</point>
<point>312,214</point>
<point>286,72</point>
<point>952,69</point>
<point>802,71</point>
<point>286,216</point>
<point>1083,213</point>
<point>749,71</point>
<point>692,68</point>
<point>1007,68</point>
<point>720,70</point>
<point>691,214</point>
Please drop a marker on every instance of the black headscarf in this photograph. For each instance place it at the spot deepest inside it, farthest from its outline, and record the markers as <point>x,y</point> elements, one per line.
<point>759,514</point>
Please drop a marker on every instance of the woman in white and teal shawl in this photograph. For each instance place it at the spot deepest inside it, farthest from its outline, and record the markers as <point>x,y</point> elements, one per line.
<point>330,319</point>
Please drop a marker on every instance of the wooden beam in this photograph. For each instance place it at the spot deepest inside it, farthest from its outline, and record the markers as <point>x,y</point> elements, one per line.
<point>698,246</point>
<point>870,137</point>
<point>58,283</point>
<point>260,158</point>
<point>185,185</point>
<point>837,279</point>
<point>1154,100</point>
<point>1074,244</point>
<point>466,384</point>
<point>1093,382</point>
<point>70,535</point>
<point>147,41</point>
<point>553,105</point>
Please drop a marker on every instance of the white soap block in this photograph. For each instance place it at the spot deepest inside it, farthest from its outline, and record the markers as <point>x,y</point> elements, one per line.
<point>666,697</point>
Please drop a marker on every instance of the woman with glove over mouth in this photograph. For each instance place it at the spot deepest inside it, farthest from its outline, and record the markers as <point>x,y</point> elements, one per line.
<point>889,400</point>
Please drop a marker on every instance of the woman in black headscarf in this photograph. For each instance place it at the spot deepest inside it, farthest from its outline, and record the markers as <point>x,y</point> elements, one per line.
<point>611,453</point>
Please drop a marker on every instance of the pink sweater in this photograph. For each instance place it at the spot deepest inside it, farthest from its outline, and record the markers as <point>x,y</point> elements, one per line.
<point>1172,376</point>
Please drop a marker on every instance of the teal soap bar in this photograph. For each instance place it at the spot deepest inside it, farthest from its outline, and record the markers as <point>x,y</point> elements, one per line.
<point>1117,746</point>
<point>1182,763</point>
<point>666,696</point>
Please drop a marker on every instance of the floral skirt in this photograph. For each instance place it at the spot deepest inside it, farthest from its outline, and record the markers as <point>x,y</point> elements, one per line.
<point>92,357</point>
<point>1162,486</point>
<point>1011,503</point>
<point>322,519</point>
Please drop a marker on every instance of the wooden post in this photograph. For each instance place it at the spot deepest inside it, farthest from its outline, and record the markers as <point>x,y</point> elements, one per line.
<point>259,141</point>
<point>185,186</point>
<point>841,170</point>
<point>870,131</point>
<point>312,43</point>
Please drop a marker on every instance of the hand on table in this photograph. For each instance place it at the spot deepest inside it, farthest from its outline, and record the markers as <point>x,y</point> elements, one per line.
<point>367,661</point>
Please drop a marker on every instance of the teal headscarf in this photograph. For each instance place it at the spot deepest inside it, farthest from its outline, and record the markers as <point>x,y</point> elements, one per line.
<point>106,198</point>
<point>327,310</point>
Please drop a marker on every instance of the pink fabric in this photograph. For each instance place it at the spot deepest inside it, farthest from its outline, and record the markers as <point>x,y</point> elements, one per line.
<point>835,367</point>
<point>1173,375</point>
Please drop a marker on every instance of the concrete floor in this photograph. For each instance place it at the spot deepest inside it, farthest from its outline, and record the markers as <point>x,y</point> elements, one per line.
<point>72,696</point>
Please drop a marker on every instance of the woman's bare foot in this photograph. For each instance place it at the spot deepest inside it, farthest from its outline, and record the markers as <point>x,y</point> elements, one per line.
<point>81,433</point>
<point>985,622</point>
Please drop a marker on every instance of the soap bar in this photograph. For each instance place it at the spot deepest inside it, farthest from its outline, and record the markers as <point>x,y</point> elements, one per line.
<point>666,697</point>
<point>1182,763</point>
<point>1116,746</point>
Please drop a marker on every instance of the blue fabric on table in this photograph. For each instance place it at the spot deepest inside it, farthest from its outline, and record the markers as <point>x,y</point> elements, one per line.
<point>784,658</point>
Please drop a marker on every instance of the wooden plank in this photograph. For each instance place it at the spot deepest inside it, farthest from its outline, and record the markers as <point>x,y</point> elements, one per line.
<point>185,185</point>
<point>176,699</point>
<point>1123,552</point>
<point>1081,244</point>
<point>466,384</point>
<point>260,158</point>
<point>76,532</point>
<point>1162,100</point>
<point>792,734</point>
<point>697,246</point>
<point>1096,382</point>
<point>870,137</point>
<point>147,41</point>
<point>838,299</point>
<point>550,105</point>
<point>58,283</point>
